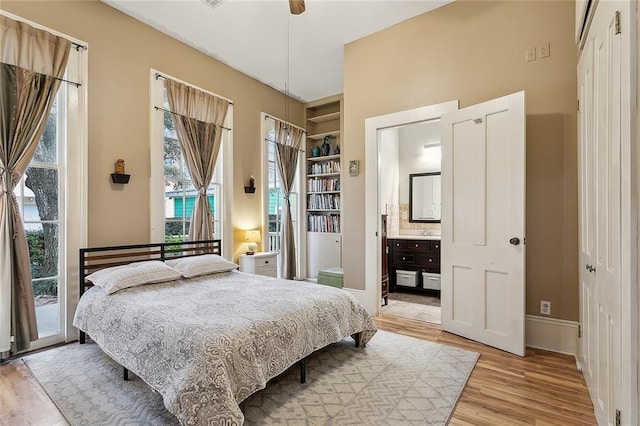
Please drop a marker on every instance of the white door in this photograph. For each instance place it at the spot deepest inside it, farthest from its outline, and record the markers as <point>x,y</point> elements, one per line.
<point>483,222</point>
<point>587,214</point>
<point>601,353</point>
<point>606,99</point>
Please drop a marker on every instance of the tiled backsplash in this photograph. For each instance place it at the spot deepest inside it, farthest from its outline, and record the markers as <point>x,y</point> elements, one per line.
<point>398,221</point>
<point>405,225</point>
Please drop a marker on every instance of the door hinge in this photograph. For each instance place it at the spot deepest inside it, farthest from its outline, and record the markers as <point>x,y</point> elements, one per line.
<point>618,417</point>
<point>578,105</point>
<point>617,22</point>
<point>579,331</point>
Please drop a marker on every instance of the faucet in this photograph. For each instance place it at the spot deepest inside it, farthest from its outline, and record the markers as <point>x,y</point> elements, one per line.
<point>424,233</point>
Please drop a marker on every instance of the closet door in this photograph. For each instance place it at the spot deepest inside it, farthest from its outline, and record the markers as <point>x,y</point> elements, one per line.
<point>587,217</point>
<point>604,204</point>
<point>606,97</point>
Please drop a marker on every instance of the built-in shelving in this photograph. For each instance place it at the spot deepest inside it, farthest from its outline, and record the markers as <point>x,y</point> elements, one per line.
<point>325,117</point>
<point>320,136</point>
<point>325,158</point>
<point>323,179</point>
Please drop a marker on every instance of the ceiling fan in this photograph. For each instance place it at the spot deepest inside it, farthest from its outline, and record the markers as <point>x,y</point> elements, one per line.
<point>296,6</point>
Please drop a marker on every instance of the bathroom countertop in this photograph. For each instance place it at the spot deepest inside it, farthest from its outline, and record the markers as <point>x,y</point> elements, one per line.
<point>413,237</point>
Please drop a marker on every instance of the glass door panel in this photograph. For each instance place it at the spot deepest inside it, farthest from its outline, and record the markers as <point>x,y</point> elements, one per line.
<point>39,200</point>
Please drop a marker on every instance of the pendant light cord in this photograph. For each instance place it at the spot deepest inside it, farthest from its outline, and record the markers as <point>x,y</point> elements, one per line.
<point>286,83</point>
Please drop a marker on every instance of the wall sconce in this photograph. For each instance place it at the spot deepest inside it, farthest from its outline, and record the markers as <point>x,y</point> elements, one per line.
<point>119,176</point>
<point>253,237</point>
<point>252,186</point>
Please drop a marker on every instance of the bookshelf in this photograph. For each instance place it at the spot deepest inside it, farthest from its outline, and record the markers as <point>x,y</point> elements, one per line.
<point>323,191</point>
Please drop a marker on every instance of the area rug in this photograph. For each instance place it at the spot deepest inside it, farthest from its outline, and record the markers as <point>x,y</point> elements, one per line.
<point>414,311</point>
<point>394,380</point>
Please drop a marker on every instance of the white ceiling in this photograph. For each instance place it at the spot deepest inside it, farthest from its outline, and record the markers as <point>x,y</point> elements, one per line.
<point>251,35</point>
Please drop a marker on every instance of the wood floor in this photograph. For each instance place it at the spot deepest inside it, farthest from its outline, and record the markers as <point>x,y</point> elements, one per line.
<point>543,388</point>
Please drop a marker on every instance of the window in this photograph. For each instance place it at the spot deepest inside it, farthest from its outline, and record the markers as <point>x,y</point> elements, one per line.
<point>172,191</point>
<point>180,194</point>
<point>52,202</point>
<point>274,200</point>
<point>39,196</point>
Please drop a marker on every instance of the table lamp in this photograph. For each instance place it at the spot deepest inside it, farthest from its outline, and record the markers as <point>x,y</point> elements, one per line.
<point>253,237</point>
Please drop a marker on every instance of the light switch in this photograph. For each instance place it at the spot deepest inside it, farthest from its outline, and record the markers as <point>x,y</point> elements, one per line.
<point>543,50</point>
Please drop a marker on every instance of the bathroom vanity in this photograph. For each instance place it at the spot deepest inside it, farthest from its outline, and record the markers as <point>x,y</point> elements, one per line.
<point>414,262</point>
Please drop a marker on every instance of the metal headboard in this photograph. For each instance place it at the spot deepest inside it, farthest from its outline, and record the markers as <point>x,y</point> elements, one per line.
<point>96,258</point>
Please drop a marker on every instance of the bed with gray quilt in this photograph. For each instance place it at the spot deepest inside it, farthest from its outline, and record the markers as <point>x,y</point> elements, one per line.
<point>208,342</point>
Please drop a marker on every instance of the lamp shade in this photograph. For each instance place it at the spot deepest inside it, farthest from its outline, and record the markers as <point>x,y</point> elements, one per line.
<point>253,235</point>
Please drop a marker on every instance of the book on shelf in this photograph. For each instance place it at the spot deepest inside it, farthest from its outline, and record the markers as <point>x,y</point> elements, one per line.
<point>324,167</point>
<point>323,202</point>
<point>323,184</point>
<point>324,223</point>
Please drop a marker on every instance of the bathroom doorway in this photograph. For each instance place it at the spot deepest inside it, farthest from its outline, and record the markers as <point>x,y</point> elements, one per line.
<point>409,198</point>
<point>383,182</point>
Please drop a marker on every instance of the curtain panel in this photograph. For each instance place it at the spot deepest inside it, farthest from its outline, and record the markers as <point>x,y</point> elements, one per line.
<point>198,118</point>
<point>32,62</point>
<point>288,141</point>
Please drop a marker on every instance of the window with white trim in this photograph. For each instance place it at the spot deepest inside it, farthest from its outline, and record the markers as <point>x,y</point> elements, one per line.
<point>52,200</point>
<point>274,200</point>
<point>173,196</point>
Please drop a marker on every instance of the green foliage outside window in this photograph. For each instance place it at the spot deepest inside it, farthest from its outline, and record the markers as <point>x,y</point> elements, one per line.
<point>37,255</point>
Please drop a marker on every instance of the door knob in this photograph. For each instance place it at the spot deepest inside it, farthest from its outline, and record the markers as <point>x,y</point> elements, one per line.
<point>515,241</point>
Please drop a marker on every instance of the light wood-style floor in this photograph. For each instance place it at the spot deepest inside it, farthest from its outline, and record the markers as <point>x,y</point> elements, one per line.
<point>543,388</point>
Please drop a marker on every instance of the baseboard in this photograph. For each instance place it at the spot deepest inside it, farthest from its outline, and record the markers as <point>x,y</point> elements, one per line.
<point>551,334</point>
<point>365,298</point>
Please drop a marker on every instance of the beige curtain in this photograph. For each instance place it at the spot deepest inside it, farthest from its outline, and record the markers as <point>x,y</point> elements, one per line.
<point>288,141</point>
<point>198,118</point>
<point>31,62</point>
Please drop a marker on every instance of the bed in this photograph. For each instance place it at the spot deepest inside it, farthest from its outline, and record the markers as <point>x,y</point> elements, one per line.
<point>207,342</point>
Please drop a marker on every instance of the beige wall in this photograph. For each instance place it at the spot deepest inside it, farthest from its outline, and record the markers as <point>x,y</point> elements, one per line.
<point>121,53</point>
<point>474,51</point>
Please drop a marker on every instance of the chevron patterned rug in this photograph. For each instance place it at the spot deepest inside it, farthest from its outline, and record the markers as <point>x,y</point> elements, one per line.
<point>395,380</point>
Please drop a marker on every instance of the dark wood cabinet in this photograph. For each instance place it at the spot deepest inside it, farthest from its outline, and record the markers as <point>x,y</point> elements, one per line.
<point>413,256</point>
<point>385,262</point>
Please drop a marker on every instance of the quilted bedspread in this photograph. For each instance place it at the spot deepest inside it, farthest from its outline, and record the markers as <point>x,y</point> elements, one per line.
<point>207,343</point>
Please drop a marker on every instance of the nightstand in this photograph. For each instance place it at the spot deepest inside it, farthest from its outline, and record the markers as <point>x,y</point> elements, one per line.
<point>260,263</point>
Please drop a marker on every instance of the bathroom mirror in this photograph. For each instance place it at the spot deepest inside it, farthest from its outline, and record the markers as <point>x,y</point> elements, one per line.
<point>424,197</point>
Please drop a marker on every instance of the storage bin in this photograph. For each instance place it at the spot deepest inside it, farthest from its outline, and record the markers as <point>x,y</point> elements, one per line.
<point>406,278</point>
<point>332,277</point>
<point>430,281</point>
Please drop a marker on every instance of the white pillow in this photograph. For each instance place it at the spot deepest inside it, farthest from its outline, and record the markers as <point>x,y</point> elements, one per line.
<point>134,274</point>
<point>194,266</point>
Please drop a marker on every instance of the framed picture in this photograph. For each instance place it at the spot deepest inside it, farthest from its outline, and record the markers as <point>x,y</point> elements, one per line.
<point>353,168</point>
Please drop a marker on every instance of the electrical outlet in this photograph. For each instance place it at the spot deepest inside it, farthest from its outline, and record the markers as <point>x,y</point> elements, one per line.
<point>530,54</point>
<point>405,215</point>
<point>545,307</point>
<point>544,50</point>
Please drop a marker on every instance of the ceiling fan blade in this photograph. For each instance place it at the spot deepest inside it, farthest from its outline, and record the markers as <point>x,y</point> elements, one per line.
<point>296,6</point>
